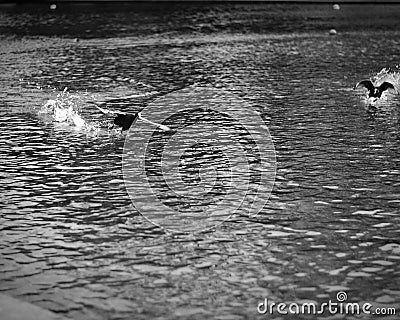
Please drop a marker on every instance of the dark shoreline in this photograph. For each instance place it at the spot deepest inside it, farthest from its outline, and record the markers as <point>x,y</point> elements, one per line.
<point>121,19</point>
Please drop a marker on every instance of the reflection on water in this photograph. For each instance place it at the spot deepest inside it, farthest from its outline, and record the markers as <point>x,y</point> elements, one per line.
<point>72,242</point>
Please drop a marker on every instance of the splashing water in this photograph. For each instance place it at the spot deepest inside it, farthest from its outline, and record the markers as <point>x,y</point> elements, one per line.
<point>389,75</point>
<point>388,96</point>
<point>67,108</point>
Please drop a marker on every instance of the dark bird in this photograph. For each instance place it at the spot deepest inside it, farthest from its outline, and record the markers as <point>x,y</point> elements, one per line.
<point>122,119</point>
<point>125,120</point>
<point>374,92</point>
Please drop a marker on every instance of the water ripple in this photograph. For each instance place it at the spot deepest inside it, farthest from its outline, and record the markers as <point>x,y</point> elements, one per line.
<point>72,242</point>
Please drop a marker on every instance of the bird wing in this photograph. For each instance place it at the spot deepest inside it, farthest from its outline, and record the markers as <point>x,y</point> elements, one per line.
<point>106,111</point>
<point>367,84</point>
<point>386,85</point>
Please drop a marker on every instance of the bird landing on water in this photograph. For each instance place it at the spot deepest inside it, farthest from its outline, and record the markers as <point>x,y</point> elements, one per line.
<point>375,91</point>
<point>374,94</point>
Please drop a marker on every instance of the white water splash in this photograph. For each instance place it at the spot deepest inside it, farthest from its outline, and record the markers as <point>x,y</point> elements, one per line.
<point>389,75</point>
<point>67,108</point>
<point>388,96</point>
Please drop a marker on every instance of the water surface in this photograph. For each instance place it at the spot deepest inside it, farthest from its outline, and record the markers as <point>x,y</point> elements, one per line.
<point>73,243</point>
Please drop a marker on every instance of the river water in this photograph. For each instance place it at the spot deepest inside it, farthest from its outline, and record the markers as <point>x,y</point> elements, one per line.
<point>71,240</point>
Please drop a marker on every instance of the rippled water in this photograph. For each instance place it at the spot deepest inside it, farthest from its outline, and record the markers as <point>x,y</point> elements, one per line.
<point>72,242</point>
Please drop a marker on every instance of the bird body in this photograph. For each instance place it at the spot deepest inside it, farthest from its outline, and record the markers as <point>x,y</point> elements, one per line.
<point>373,91</point>
<point>125,120</point>
<point>122,119</point>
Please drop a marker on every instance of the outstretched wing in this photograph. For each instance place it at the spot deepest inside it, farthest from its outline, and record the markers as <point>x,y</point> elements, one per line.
<point>106,111</point>
<point>367,84</point>
<point>386,85</point>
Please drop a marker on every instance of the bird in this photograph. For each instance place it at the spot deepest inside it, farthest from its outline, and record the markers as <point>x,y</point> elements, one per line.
<point>373,91</point>
<point>122,119</point>
<point>125,120</point>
